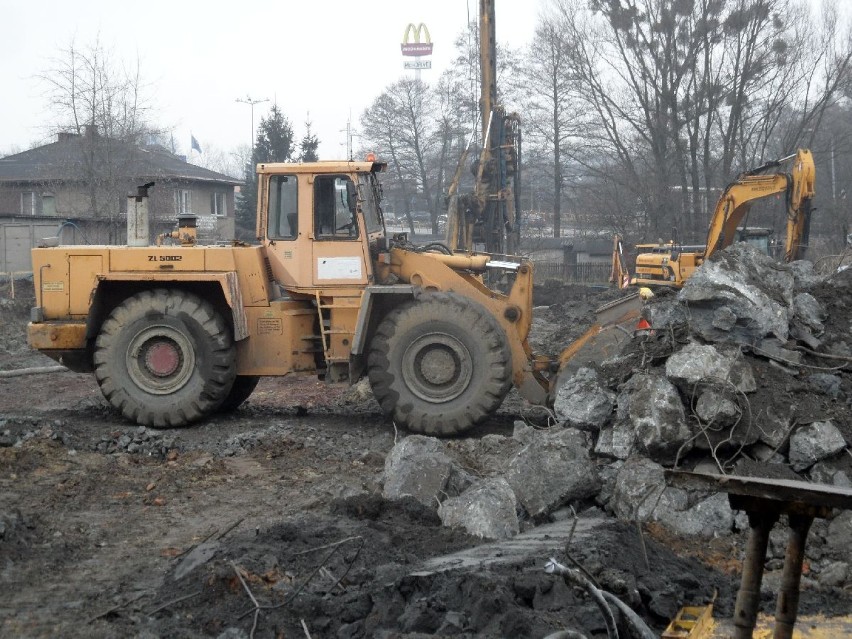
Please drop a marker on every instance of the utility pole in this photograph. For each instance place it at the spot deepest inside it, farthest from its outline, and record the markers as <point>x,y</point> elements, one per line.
<point>251,102</point>
<point>349,135</point>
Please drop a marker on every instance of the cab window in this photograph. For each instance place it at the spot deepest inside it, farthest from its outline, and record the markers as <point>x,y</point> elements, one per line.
<point>370,195</point>
<point>283,209</point>
<point>335,204</point>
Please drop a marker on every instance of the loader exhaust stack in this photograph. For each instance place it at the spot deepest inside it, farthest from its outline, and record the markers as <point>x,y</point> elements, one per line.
<point>137,217</point>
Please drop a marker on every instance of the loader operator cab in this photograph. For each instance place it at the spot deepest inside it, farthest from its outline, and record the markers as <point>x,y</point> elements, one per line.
<point>320,220</point>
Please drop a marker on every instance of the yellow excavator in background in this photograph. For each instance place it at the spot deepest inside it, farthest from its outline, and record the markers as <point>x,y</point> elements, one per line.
<point>671,264</point>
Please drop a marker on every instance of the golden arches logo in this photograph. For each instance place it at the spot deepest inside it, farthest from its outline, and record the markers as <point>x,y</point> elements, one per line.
<point>417,31</point>
<point>422,44</point>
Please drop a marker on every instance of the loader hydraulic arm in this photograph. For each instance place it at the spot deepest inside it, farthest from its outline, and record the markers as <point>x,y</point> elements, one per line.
<point>735,202</point>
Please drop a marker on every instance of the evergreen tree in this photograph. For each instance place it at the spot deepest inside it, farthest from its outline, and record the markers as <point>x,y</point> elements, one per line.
<point>308,145</point>
<point>274,138</point>
<point>274,143</point>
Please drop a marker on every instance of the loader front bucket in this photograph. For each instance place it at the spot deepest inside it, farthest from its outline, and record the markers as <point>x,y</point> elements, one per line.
<point>615,324</point>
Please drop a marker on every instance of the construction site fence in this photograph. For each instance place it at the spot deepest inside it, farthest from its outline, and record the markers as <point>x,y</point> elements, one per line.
<point>12,282</point>
<point>579,273</point>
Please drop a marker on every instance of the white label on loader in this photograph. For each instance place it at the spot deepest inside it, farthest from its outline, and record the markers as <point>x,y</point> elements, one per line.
<point>339,268</point>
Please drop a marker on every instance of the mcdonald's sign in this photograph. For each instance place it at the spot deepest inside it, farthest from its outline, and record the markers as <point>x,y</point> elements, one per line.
<point>422,42</point>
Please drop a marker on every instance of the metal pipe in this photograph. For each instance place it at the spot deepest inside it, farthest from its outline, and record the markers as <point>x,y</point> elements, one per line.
<point>748,597</point>
<point>575,577</point>
<point>788,597</point>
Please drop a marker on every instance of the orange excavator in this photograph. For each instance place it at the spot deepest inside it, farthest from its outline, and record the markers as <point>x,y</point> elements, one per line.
<point>671,264</point>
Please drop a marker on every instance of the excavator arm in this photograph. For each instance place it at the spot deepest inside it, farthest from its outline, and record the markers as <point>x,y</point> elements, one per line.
<point>799,209</point>
<point>736,201</point>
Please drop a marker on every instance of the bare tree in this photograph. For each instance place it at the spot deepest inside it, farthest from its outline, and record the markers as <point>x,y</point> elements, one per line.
<point>549,107</point>
<point>399,126</point>
<point>101,102</point>
<point>682,94</point>
<point>231,163</point>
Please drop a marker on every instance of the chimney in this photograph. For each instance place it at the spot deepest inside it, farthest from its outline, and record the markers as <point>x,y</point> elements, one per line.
<point>90,130</point>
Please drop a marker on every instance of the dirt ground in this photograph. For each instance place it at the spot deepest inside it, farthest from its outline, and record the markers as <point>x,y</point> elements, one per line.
<point>108,529</point>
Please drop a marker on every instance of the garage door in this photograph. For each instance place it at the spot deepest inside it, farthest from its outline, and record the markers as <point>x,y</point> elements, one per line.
<point>16,240</point>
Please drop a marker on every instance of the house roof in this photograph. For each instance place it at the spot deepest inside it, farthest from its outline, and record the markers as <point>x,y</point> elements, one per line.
<point>64,160</point>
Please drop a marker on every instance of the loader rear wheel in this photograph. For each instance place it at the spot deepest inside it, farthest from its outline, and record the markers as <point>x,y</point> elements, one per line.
<point>439,365</point>
<point>165,358</point>
<point>243,387</point>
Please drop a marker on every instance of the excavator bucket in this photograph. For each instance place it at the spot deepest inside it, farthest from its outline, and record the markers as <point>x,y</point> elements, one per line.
<point>614,325</point>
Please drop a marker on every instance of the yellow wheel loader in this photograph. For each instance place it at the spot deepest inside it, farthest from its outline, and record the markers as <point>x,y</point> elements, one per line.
<point>177,331</point>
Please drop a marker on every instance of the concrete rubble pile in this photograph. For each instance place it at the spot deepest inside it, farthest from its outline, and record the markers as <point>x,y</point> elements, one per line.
<point>741,374</point>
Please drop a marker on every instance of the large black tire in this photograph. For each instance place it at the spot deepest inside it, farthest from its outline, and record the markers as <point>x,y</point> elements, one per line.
<point>243,387</point>
<point>440,364</point>
<point>165,358</point>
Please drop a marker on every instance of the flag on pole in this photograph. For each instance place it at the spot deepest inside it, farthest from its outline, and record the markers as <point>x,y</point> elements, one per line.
<point>195,145</point>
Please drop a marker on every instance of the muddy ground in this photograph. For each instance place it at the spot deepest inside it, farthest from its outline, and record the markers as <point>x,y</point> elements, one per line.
<point>107,529</point>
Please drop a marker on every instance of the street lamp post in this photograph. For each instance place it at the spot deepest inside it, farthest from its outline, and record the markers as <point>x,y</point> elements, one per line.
<point>251,102</point>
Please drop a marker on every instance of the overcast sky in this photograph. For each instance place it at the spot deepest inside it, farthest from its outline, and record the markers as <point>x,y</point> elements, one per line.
<point>327,57</point>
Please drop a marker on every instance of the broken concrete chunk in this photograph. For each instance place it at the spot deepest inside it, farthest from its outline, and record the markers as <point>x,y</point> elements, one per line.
<point>707,518</point>
<point>826,384</point>
<point>809,311</point>
<point>838,541</point>
<point>486,456</point>
<point>418,466</point>
<point>696,363</point>
<point>650,419</point>
<point>665,312</point>
<point>486,509</point>
<point>803,334</point>
<point>724,318</point>
<point>804,276</point>
<point>582,402</point>
<point>639,487</point>
<point>774,423</point>
<point>717,408</point>
<point>826,472</point>
<point>641,494</point>
<point>834,575</point>
<point>656,414</point>
<point>608,475</point>
<point>763,453</point>
<point>616,441</point>
<point>774,349</point>
<point>553,470</point>
<point>706,466</point>
<point>813,443</point>
<point>750,284</point>
<point>523,432</point>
